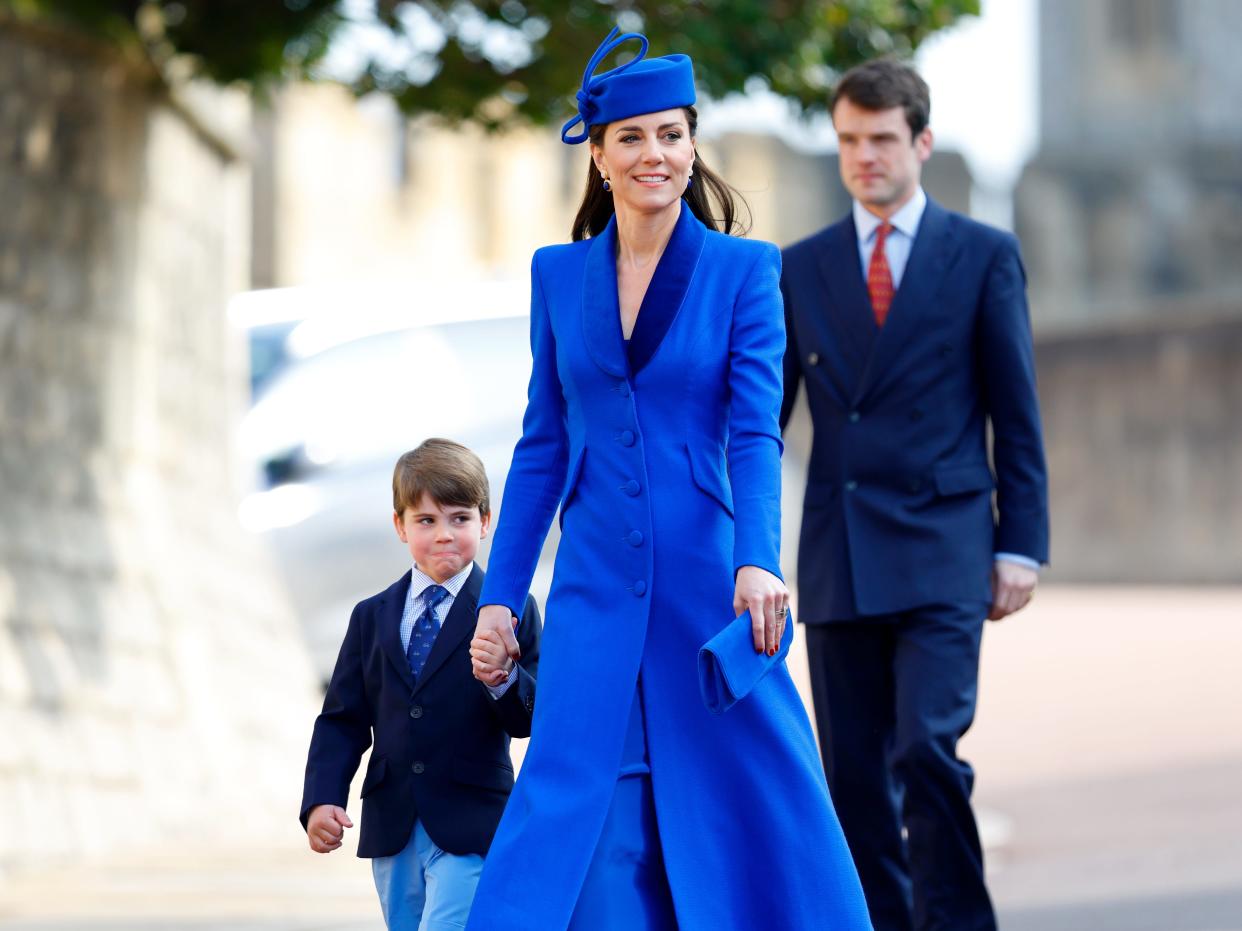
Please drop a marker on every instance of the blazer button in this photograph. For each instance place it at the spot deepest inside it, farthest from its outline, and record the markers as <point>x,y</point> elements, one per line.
<point>855,416</point>
<point>635,538</point>
<point>416,712</point>
<point>418,768</point>
<point>812,358</point>
<point>627,438</point>
<point>640,588</point>
<point>916,415</point>
<point>915,484</point>
<point>631,488</point>
<point>851,485</point>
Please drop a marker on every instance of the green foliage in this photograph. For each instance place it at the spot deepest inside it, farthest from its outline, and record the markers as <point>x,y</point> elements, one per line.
<point>512,61</point>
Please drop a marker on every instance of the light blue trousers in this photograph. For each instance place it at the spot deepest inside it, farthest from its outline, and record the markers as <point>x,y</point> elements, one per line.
<point>423,888</point>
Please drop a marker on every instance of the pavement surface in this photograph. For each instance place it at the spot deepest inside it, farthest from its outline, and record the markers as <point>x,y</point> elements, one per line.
<point>1108,750</point>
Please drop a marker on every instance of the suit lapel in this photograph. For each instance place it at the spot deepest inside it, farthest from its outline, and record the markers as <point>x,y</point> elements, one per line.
<point>390,627</point>
<point>919,285</point>
<point>848,312</point>
<point>667,290</point>
<point>601,312</point>
<point>459,624</point>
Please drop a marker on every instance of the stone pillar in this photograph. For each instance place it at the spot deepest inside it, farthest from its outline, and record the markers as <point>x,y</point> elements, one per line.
<point>152,679</point>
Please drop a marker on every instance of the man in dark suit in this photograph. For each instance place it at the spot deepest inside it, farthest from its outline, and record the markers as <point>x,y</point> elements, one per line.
<point>909,325</point>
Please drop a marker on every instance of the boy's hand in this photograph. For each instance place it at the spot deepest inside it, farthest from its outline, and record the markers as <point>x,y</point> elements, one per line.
<point>489,658</point>
<point>326,827</point>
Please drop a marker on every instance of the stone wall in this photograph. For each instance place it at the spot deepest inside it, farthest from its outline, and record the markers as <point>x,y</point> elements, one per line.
<point>1144,437</point>
<point>152,680</point>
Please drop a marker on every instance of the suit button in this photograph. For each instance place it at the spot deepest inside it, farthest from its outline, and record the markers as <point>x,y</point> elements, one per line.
<point>946,349</point>
<point>812,358</point>
<point>416,712</point>
<point>635,538</point>
<point>623,389</point>
<point>914,484</point>
<point>418,768</point>
<point>640,588</point>
<point>916,415</point>
<point>851,485</point>
<point>627,438</point>
<point>631,488</point>
<point>855,416</point>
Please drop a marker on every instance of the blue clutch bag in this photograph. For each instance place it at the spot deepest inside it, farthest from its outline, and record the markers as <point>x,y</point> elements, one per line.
<point>729,667</point>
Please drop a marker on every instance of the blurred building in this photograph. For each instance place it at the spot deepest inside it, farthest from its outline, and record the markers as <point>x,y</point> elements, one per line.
<point>150,672</point>
<point>1130,218</point>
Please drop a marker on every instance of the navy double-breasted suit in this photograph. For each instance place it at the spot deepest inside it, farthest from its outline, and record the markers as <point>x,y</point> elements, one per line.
<point>666,469</point>
<point>903,514</point>
<point>441,751</point>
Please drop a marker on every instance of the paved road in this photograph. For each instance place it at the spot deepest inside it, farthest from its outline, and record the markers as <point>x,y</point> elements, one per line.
<point>1109,755</point>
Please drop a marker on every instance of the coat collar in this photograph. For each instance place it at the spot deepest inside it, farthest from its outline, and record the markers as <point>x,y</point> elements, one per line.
<point>601,310</point>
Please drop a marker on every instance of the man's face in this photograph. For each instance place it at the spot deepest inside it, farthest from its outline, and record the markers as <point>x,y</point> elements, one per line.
<point>880,163</point>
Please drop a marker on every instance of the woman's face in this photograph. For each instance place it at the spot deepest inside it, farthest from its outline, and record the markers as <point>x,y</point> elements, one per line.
<point>647,159</point>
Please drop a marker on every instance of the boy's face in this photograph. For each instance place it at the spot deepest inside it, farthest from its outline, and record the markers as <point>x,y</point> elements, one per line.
<point>442,538</point>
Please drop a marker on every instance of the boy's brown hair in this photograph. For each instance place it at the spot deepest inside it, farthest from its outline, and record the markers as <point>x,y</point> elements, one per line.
<point>449,473</point>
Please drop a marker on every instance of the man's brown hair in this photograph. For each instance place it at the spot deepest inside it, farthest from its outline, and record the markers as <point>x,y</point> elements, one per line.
<point>449,474</point>
<point>885,83</point>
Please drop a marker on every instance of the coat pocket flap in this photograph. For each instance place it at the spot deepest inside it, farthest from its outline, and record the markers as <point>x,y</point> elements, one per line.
<point>489,775</point>
<point>376,770</point>
<point>707,468</point>
<point>956,480</point>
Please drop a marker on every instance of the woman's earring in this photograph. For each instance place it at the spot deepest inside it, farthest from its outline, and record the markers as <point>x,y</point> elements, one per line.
<point>689,179</point>
<point>607,185</point>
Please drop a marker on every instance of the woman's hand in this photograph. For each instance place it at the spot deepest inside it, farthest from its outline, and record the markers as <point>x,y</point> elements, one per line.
<point>767,599</point>
<point>495,620</point>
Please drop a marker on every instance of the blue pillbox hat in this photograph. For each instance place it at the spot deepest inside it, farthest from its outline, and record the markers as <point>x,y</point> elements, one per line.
<point>641,85</point>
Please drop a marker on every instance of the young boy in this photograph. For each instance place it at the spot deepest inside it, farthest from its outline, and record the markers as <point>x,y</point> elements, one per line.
<point>440,771</point>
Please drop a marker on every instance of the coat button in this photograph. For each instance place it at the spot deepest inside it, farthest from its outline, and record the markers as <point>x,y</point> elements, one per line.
<point>418,767</point>
<point>631,488</point>
<point>812,358</point>
<point>851,485</point>
<point>623,389</point>
<point>855,416</point>
<point>635,538</point>
<point>416,712</point>
<point>640,588</point>
<point>627,438</point>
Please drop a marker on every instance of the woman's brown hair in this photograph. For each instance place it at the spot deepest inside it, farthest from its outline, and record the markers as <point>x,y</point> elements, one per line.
<point>597,209</point>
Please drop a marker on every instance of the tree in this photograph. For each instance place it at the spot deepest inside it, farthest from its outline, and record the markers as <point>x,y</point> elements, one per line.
<point>512,61</point>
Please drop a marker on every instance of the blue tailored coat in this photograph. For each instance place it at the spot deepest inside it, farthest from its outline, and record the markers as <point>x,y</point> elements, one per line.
<point>666,468</point>
<point>441,750</point>
<point>898,510</point>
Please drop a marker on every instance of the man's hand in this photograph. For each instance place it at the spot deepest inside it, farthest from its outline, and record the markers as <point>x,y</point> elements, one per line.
<point>1013,586</point>
<point>326,826</point>
<point>489,659</point>
<point>496,621</point>
<point>767,599</point>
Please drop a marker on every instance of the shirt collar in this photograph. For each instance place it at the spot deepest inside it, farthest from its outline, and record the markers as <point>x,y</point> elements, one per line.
<point>419,580</point>
<point>906,220</point>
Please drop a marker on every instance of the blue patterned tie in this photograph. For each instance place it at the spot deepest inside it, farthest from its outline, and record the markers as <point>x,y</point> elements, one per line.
<point>424,633</point>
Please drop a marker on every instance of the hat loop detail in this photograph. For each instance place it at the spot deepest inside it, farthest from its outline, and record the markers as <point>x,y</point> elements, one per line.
<point>587,108</point>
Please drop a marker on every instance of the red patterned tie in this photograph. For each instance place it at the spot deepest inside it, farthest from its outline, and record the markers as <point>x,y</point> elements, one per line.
<point>879,278</point>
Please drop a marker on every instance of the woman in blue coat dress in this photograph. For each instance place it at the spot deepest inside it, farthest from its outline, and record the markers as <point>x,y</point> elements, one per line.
<point>652,424</point>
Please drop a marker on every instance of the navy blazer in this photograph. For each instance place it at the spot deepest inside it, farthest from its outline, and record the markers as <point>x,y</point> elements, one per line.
<point>441,745</point>
<point>899,509</point>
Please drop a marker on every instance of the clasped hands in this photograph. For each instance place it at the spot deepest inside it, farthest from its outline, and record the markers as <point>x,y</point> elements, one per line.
<point>494,649</point>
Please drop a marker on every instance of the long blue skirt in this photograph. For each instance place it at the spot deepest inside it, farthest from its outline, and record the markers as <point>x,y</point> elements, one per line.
<point>626,887</point>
